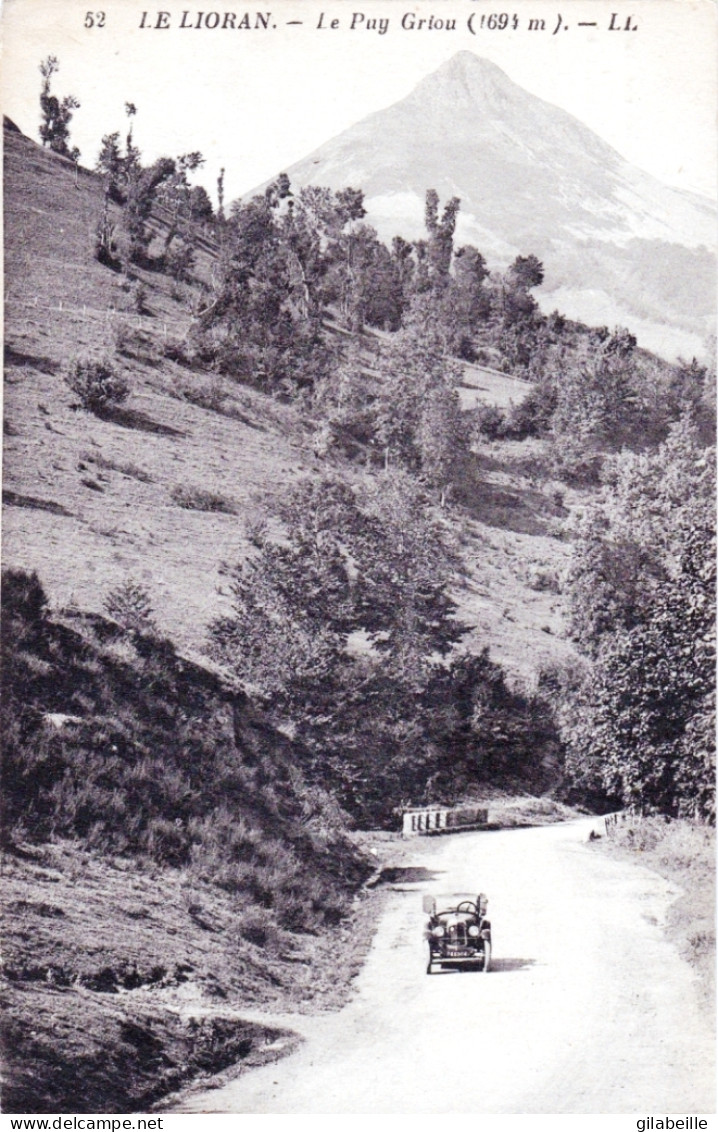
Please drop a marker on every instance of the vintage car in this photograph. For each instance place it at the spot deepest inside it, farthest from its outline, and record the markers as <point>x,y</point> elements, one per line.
<point>458,933</point>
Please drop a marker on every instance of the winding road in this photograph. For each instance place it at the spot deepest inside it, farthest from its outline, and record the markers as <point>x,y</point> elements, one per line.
<point>588,1007</point>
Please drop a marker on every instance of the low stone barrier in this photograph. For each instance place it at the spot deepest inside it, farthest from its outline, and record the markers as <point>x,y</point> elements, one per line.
<point>433,819</point>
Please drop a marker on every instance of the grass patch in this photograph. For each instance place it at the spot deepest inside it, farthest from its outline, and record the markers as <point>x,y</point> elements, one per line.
<point>199,499</point>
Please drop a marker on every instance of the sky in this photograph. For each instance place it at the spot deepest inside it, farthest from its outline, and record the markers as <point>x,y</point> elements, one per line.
<point>255,101</point>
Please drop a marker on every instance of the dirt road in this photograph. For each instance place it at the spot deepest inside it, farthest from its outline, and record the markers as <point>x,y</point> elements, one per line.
<point>588,1008</point>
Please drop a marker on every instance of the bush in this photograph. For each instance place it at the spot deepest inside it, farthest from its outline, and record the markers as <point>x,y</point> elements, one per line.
<point>133,342</point>
<point>259,927</point>
<point>197,499</point>
<point>532,416</point>
<point>130,606</point>
<point>139,298</point>
<point>179,350</point>
<point>97,383</point>
<point>212,397</point>
<point>490,422</point>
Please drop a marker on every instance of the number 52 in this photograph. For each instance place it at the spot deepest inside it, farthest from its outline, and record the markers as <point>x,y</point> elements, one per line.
<point>94,19</point>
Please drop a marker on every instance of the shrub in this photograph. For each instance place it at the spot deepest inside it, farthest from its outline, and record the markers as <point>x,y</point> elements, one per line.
<point>124,467</point>
<point>179,350</point>
<point>132,342</point>
<point>543,579</point>
<point>130,606</point>
<point>532,416</point>
<point>97,383</point>
<point>139,298</point>
<point>197,499</point>
<point>213,396</point>
<point>490,422</point>
<point>259,927</point>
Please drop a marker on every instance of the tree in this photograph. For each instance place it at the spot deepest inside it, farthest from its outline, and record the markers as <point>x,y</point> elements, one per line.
<point>599,405</point>
<point>468,301</point>
<point>264,323</point>
<point>642,597</point>
<point>440,244</point>
<point>56,113</point>
<point>130,605</point>
<point>442,439</point>
<point>370,567</point>
<point>142,186</point>
<point>200,205</point>
<point>175,195</point>
<point>110,163</point>
<point>419,423</point>
<point>121,169</point>
<point>525,273</point>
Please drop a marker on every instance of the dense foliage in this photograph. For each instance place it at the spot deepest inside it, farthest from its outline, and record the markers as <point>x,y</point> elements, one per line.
<point>640,723</point>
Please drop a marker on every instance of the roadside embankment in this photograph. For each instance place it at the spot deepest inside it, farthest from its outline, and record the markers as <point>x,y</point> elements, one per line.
<point>683,853</point>
<point>124,981</point>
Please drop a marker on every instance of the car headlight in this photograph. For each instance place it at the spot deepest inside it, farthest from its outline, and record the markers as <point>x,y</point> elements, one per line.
<point>474,930</point>
<point>438,931</point>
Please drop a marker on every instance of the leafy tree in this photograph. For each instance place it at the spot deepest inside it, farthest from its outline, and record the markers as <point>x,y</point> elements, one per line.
<point>598,405</point>
<point>442,440</point>
<point>56,113</point>
<point>642,593</point>
<point>372,568</point>
<point>440,244</point>
<point>264,323</point>
<point>121,169</point>
<point>525,273</point>
<point>419,423</point>
<point>468,303</point>
<point>174,193</point>
<point>111,164</point>
<point>140,195</point>
<point>200,205</point>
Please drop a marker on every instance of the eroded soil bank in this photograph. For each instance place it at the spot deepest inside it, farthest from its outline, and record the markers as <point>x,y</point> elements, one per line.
<point>123,982</point>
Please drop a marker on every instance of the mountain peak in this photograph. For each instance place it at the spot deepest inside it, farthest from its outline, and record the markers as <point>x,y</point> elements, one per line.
<point>531,179</point>
<point>468,77</point>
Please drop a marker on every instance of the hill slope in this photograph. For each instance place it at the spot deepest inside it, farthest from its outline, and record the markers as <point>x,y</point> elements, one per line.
<point>89,502</point>
<point>617,245</point>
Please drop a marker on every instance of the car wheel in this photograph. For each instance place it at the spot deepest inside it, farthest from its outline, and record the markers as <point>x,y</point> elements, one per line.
<point>487,956</point>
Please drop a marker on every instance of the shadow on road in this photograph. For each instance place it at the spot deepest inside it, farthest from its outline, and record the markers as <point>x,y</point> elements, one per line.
<point>409,875</point>
<point>500,965</point>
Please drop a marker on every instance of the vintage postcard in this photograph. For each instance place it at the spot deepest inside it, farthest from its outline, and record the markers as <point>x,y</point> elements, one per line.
<point>358,557</point>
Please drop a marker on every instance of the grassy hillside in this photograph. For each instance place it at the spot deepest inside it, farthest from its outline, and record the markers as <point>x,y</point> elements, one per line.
<point>109,488</point>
